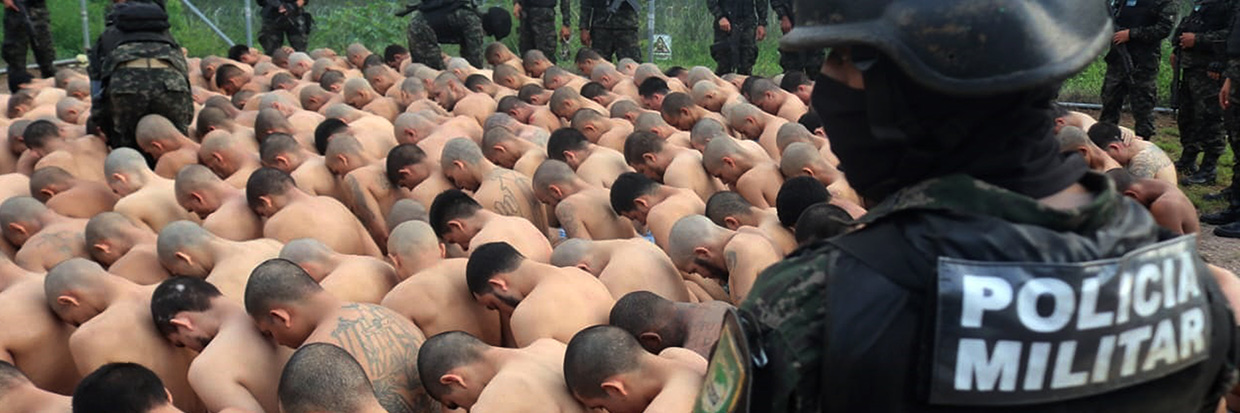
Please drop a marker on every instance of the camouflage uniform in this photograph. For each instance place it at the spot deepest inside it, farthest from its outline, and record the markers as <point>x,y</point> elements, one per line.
<point>127,92</point>
<point>277,27</point>
<point>457,22</point>
<point>613,35</point>
<point>1201,118</point>
<point>808,61</point>
<point>737,50</point>
<point>1148,23</point>
<point>16,37</point>
<point>838,316</point>
<point>538,29</point>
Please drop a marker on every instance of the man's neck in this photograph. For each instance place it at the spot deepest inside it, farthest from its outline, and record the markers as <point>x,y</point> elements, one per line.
<point>527,276</point>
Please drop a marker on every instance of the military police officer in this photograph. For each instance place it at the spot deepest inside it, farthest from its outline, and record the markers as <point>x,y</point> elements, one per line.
<point>610,28</point>
<point>137,69</point>
<point>1200,52</point>
<point>1133,62</point>
<point>26,22</point>
<point>284,19</point>
<point>1228,219</point>
<point>445,21</point>
<point>739,25</point>
<point>991,273</point>
<point>807,61</point>
<point>538,25</point>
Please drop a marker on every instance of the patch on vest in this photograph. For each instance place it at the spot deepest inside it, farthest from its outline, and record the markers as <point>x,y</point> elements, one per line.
<point>726,387</point>
<point>1029,333</point>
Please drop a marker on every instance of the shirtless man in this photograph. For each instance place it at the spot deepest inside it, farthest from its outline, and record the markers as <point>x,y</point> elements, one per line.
<point>19,395</point>
<point>512,78</point>
<point>503,191</point>
<point>40,348</point>
<point>272,194</point>
<point>800,159</point>
<point>44,238</point>
<point>730,210</point>
<point>228,158</point>
<point>656,206</point>
<point>793,132</point>
<point>127,387</point>
<point>223,208</point>
<point>1169,206</point>
<point>308,169</point>
<point>1143,159</point>
<point>482,84</point>
<point>236,367</point>
<point>463,372</point>
<point>114,324</point>
<point>599,94</point>
<point>605,367</point>
<point>556,78</point>
<point>454,97</point>
<point>83,157</point>
<point>458,219</point>
<point>539,300</point>
<point>409,167</point>
<point>368,192</point>
<point>124,248</point>
<point>431,131</point>
<point>359,94</point>
<point>289,305</point>
<point>624,266</point>
<point>434,294</point>
<point>595,164</point>
<point>668,164</point>
<point>73,110</point>
<point>498,54</point>
<point>171,149</point>
<point>680,111</point>
<point>69,196</point>
<point>658,323</point>
<point>757,179</point>
<point>186,249</point>
<point>653,122</point>
<point>767,95</point>
<point>1073,139</point>
<point>526,113</point>
<point>733,257</point>
<point>714,98</point>
<point>567,101</point>
<point>507,150</point>
<point>754,124</point>
<point>146,198</point>
<point>583,210</point>
<point>320,377</point>
<point>586,59</point>
<point>614,81</point>
<point>601,130</point>
<point>352,278</point>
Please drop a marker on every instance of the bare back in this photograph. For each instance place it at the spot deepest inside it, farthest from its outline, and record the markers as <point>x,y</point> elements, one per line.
<point>334,226</point>
<point>560,306</point>
<point>438,300</point>
<point>511,193</point>
<point>40,349</point>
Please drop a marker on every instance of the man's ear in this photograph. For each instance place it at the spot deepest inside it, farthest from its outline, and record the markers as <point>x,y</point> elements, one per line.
<point>158,145</point>
<point>344,160</point>
<point>614,388</point>
<point>727,160</point>
<point>808,171</point>
<point>639,202</point>
<point>217,156</point>
<point>281,317</point>
<point>569,157</point>
<point>459,164</point>
<point>197,197</point>
<point>701,252</point>
<point>48,192</point>
<point>120,177</point>
<point>19,228</point>
<point>453,379</point>
<point>182,322</point>
<point>1131,193</point>
<point>456,225</point>
<point>556,191</point>
<point>499,148</point>
<point>282,161</point>
<point>498,284</point>
<point>184,257</point>
<point>768,95</point>
<point>731,223</point>
<point>102,247</point>
<point>650,340</point>
<point>589,128</point>
<point>751,120</point>
<point>266,200</point>
<point>67,300</point>
<point>649,158</point>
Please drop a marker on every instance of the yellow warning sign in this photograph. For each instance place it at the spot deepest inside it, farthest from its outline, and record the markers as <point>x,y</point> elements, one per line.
<point>662,46</point>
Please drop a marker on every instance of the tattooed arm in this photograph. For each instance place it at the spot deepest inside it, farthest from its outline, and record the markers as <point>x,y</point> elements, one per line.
<point>366,207</point>
<point>566,212</point>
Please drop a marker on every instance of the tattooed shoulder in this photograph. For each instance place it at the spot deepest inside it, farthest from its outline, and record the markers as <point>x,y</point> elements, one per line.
<point>387,348</point>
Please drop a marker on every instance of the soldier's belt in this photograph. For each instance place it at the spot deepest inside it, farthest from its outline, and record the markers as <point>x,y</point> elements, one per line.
<point>146,63</point>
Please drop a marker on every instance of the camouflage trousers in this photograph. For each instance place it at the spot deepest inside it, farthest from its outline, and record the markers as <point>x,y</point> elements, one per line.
<point>17,37</point>
<point>133,93</point>
<point>620,43</point>
<point>1200,118</point>
<point>1141,91</point>
<point>1231,118</point>
<point>424,43</point>
<point>735,51</point>
<point>538,31</point>
<point>808,61</point>
<point>271,36</point>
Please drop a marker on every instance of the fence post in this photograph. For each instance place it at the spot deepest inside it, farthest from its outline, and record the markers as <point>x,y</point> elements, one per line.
<point>85,27</point>
<point>249,24</point>
<point>189,4</point>
<point>650,29</point>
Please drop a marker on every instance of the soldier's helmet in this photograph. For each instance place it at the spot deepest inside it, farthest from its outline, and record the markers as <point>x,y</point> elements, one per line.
<point>966,47</point>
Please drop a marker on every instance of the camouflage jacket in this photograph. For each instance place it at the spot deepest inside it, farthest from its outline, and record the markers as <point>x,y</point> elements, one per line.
<point>848,324</point>
<point>1211,21</point>
<point>595,14</point>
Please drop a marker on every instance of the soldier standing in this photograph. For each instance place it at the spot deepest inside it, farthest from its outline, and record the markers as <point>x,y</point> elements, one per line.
<point>445,21</point>
<point>1228,219</point>
<point>739,25</point>
<point>808,61</point>
<point>610,28</point>
<point>1132,63</point>
<point>137,69</point>
<point>961,291</point>
<point>18,26</point>
<point>1200,44</point>
<point>538,25</point>
<point>284,19</point>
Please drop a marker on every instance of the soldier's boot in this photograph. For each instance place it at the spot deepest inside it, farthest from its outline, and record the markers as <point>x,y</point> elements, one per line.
<point>1231,230</point>
<point>1187,165</point>
<point>1208,174</point>
<point>1220,195</point>
<point>1229,215</point>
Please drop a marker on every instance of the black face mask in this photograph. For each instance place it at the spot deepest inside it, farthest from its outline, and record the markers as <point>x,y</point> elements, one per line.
<point>896,133</point>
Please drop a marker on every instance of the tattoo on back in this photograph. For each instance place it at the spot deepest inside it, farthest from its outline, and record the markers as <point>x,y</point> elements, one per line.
<point>1147,163</point>
<point>731,258</point>
<point>388,349</point>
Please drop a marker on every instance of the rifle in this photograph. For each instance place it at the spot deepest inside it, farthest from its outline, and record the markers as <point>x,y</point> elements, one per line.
<point>1175,67</point>
<point>25,13</point>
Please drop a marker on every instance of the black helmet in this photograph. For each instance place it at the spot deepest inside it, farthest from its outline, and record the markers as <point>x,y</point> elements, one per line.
<point>497,23</point>
<point>966,47</point>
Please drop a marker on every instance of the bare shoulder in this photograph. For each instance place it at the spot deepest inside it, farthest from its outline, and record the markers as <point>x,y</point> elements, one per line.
<point>687,357</point>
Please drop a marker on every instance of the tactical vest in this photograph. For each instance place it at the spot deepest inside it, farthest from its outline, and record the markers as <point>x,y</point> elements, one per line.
<point>1136,13</point>
<point>539,3</point>
<point>1207,16</point>
<point>739,12</point>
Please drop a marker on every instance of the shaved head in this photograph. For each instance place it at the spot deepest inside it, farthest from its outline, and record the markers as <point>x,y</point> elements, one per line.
<point>704,131</point>
<point>443,353</point>
<point>718,149</point>
<point>182,239</point>
<point>571,252</point>
<point>153,128</point>
<point>553,172</point>
<point>23,211</point>
<point>797,157</point>
<point>597,354</point>
<point>274,282</point>
<point>406,210</point>
<point>792,132</point>
<point>322,377</point>
<point>412,236</point>
<point>303,251</point>
<point>688,234</point>
<point>462,149</point>
<point>74,275</point>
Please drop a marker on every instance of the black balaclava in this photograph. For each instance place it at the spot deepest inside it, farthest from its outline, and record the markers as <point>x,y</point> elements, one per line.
<point>896,133</point>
